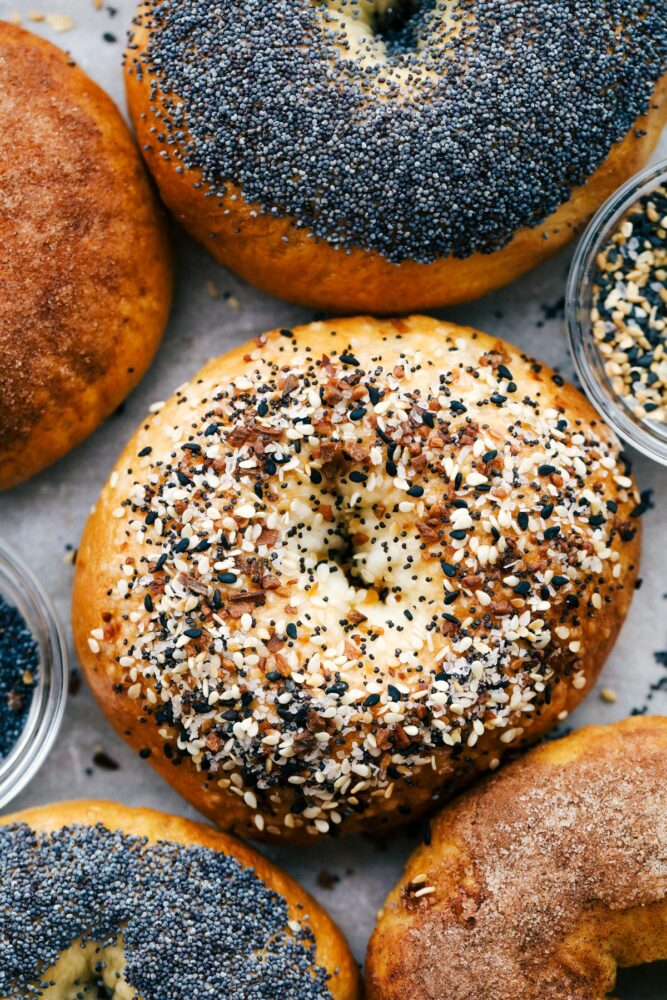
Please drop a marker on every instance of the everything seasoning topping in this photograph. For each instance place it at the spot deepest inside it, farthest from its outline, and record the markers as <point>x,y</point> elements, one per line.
<point>329,635</point>
<point>629,307</point>
<point>94,889</point>
<point>420,128</point>
<point>19,663</point>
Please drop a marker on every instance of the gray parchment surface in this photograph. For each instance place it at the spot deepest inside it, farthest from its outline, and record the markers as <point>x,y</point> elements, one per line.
<point>45,516</point>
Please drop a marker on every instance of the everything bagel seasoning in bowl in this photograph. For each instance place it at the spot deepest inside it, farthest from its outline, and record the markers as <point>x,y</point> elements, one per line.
<point>617,311</point>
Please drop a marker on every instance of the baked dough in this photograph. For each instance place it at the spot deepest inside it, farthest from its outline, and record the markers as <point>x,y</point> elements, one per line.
<point>540,881</point>
<point>356,158</point>
<point>84,269</point>
<point>156,907</point>
<point>348,566</point>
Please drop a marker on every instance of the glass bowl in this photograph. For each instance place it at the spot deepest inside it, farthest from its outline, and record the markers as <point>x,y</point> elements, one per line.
<point>19,587</point>
<point>648,437</point>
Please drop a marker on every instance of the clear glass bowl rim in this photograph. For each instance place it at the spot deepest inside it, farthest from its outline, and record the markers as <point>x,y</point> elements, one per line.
<point>50,694</point>
<point>639,434</point>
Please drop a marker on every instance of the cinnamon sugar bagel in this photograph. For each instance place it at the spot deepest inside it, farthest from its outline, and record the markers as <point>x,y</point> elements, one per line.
<point>84,269</point>
<point>392,155</point>
<point>101,900</point>
<point>347,567</point>
<point>540,881</point>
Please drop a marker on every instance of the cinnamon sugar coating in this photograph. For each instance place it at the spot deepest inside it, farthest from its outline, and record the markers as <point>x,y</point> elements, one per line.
<point>85,270</point>
<point>542,879</point>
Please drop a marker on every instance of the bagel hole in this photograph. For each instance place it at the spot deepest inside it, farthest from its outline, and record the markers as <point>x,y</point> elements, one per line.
<point>84,988</point>
<point>397,23</point>
<point>94,989</point>
<point>86,970</point>
<point>342,556</point>
<point>641,982</point>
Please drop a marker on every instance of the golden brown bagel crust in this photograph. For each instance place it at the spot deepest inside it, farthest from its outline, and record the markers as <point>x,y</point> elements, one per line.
<point>85,275</point>
<point>332,952</point>
<point>288,580</point>
<point>546,878</point>
<point>278,257</point>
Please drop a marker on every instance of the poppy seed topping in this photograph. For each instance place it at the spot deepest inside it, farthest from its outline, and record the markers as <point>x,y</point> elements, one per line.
<point>157,920</point>
<point>420,129</point>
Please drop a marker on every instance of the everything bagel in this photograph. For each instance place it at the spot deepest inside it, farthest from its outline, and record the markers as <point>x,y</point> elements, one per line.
<point>348,566</point>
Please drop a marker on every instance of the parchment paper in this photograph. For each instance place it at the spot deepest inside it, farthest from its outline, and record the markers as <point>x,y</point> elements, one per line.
<point>43,519</point>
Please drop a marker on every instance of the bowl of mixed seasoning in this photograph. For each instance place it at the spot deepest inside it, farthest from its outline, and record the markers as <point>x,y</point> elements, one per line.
<point>616,309</point>
<point>33,675</point>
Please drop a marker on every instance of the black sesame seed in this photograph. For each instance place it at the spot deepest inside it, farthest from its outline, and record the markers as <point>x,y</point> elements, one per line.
<point>19,668</point>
